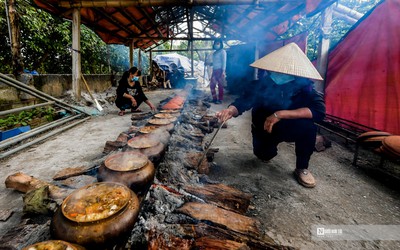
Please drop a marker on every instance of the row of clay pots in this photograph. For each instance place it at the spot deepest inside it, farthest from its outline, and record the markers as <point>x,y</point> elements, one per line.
<point>131,172</point>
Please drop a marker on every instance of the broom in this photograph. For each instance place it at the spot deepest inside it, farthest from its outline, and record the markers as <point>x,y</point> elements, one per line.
<point>94,99</point>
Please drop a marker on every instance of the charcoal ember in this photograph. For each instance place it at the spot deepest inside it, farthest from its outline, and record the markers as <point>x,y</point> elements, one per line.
<point>168,241</point>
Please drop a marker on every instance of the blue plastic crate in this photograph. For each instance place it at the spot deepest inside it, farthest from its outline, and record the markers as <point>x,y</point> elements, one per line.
<point>13,132</point>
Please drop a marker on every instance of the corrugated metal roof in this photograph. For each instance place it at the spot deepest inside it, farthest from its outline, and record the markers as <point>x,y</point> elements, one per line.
<point>147,23</point>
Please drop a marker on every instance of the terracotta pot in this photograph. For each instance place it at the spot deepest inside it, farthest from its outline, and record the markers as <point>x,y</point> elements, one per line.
<point>132,169</point>
<point>96,215</point>
<point>53,245</point>
<point>148,145</point>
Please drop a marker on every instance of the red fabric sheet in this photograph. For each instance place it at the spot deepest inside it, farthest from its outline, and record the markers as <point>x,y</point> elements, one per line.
<point>363,80</point>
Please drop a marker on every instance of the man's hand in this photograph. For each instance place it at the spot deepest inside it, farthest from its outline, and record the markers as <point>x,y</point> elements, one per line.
<point>152,106</point>
<point>227,114</point>
<point>270,122</point>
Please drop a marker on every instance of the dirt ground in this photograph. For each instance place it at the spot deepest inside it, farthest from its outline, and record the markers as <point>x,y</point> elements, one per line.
<point>344,195</point>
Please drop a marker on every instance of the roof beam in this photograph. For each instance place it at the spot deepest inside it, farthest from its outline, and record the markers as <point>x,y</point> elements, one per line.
<point>143,3</point>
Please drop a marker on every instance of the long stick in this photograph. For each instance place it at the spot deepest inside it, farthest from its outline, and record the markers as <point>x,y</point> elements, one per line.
<point>209,144</point>
<point>91,96</point>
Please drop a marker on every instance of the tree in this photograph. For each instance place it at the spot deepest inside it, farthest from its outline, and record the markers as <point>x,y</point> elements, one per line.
<point>46,43</point>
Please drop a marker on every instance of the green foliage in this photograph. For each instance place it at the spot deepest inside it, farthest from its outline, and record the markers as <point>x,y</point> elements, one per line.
<point>46,43</point>
<point>25,117</point>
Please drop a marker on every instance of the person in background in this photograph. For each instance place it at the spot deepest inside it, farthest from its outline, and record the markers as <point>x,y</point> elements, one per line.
<point>284,106</point>
<point>129,92</point>
<point>218,73</point>
<point>176,76</point>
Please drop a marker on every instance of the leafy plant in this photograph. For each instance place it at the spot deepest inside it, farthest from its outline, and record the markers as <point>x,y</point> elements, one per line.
<point>25,117</point>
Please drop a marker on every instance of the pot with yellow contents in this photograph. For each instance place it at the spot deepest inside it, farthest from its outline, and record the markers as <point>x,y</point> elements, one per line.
<point>97,214</point>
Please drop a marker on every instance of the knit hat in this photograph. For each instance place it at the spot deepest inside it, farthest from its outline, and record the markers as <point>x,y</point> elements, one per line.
<point>289,59</point>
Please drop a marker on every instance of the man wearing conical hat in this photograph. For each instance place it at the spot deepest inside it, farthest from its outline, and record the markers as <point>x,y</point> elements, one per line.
<point>284,106</point>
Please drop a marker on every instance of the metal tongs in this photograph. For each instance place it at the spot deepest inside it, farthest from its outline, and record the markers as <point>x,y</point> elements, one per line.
<point>209,144</point>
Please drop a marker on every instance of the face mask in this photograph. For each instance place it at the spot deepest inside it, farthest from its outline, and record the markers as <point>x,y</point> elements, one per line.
<point>216,47</point>
<point>135,78</point>
<point>280,78</point>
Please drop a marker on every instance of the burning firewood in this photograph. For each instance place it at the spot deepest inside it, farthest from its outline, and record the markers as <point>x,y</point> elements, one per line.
<point>221,195</point>
<point>221,217</point>
<point>70,172</point>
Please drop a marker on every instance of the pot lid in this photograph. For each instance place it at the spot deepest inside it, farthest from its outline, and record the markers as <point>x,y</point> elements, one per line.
<point>369,134</point>
<point>96,202</point>
<point>141,142</point>
<point>164,116</point>
<point>160,121</point>
<point>126,161</point>
<point>169,111</point>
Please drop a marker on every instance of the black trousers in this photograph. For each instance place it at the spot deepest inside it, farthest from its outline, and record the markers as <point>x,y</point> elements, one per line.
<point>124,103</point>
<point>300,131</point>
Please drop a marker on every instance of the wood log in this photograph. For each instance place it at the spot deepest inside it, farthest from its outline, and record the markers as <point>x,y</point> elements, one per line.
<point>223,196</point>
<point>70,172</point>
<point>76,182</point>
<point>200,230</point>
<point>221,217</point>
<point>218,244</point>
<point>24,183</point>
<point>192,162</point>
<point>5,214</point>
<point>25,234</point>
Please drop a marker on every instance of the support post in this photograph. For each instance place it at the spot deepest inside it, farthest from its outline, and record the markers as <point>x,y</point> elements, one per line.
<point>323,49</point>
<point>76,53</point>
<point>140,59</point>
<point>131,54</point>
<point>15,37</point>
<point>256,57</point>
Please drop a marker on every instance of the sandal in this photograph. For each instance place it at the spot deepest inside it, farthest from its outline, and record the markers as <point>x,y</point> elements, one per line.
<point>121,113</point>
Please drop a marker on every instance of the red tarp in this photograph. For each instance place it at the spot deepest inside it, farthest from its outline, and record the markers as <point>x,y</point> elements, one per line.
<point>363,80</point>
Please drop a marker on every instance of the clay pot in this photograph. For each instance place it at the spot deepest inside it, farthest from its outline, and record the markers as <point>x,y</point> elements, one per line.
<point>96,215</point>
<point>53,245</point>
<point>391,146</point>
<point>133,169</point>
<point>148,145</point>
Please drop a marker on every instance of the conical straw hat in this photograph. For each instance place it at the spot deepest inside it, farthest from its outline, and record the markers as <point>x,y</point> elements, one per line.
<point>289,59</point>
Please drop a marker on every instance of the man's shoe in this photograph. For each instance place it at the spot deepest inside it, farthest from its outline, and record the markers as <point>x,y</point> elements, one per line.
<point>217,102</point>
<point>304,177</point>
